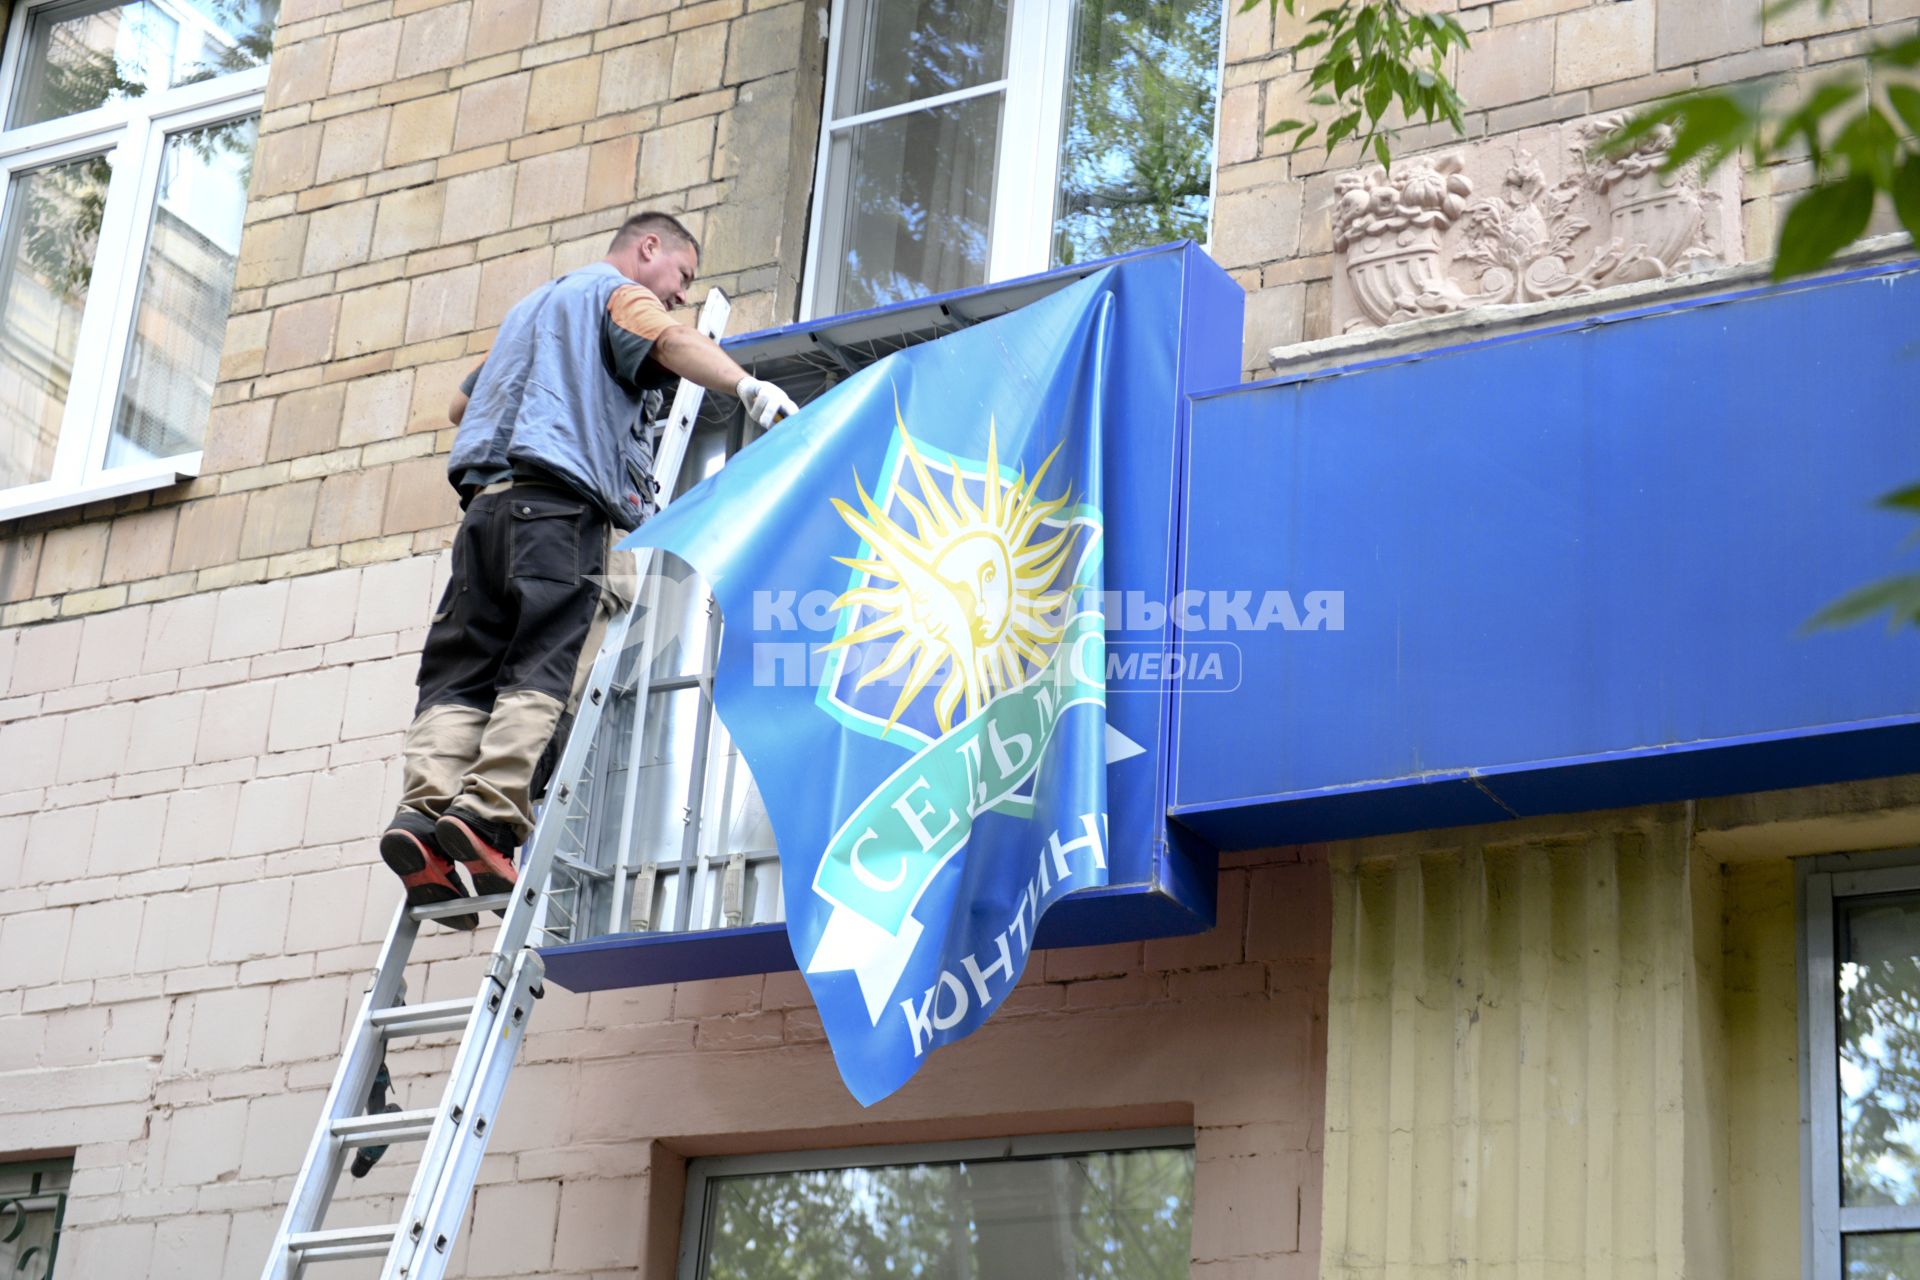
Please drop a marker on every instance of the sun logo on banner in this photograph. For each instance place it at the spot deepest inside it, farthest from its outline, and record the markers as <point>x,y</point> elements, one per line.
<point>969,591</point>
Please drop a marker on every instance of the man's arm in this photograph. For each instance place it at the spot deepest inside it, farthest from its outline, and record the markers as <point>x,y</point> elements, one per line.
<point>684,350</point>
<point>641,329</point>
<point>457,407</point>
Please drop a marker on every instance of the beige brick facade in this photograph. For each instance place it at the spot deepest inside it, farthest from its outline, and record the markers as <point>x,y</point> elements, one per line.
<point>190,906</point>
<point>421,165</point>
<point>202,690</point>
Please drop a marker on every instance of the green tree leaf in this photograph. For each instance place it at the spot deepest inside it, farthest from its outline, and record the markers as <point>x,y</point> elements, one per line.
<point>1906,196</point>
<point>1379,94</point>
<point>1870,145</point>
<point>1821,223</point>
<point>1906,101</point>
<point>1898,597</point>
<point>1716,124</point>
<point>1904,499</point>
<point>1901,53</point>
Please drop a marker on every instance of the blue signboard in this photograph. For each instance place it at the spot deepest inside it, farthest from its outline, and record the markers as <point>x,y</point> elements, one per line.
<point>1084,390</point>
<point>1563,570</point>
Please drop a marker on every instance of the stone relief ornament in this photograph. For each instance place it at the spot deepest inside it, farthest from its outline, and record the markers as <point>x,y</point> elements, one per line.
<point>1389,228</point>
<point>1664,214</point>
<point>1522,243</point>
<point>1415,242</point>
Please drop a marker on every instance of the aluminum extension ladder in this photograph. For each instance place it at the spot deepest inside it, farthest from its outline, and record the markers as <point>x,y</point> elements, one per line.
<point>456,1129</point>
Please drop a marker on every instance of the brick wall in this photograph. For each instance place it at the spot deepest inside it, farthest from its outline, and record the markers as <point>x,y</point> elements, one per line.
<point>1532,62</point>
<point>422,163</point>
<point>421,166</point>
<point>190,902</point>
<point>201,690</point>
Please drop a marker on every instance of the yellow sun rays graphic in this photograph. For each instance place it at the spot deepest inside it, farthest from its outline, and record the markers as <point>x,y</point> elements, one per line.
<point>968,591</point>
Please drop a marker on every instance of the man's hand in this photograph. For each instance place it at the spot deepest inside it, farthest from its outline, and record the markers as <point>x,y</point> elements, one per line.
<point>765,403</point>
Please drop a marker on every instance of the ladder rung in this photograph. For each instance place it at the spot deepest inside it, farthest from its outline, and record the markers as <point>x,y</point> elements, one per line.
<point>392,1126</point>
<point>423,1019</point>
<point>343,1242</point>
<point>461,906</point>
<point>580,868</point>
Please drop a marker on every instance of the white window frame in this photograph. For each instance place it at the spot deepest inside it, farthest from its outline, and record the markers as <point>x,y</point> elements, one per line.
<point>133,135</point>
<point>1827,882</point>
<point>1026,178</point>
<point>703,1170</point>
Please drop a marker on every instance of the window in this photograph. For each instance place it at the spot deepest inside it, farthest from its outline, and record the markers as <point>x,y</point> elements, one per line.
<point>33,1201</point>
<point>967,141</point>
<point>1096,1207</point>
<point>126,143</point>
<point>1863,1035</point>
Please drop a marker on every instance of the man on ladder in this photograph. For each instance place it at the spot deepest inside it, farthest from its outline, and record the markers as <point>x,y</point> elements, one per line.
<point>553,456</point>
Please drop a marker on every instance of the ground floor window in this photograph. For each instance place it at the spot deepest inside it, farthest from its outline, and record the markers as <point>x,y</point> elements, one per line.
<point>33,1200</point>
<point>1089,1207</point>
<point>1863,1077</point>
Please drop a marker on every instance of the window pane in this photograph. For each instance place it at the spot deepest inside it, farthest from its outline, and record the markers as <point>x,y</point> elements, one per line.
<point>81,56</point>
<point>1137,158</point>
<point>900,51</point>
<point>185,289</point>
<point>918,203</point>
<point>1879,1038</point>
<point>32,1198</point>
<point>1111,1215</point>
<point>1893,1256</point>
<point>46,263</point>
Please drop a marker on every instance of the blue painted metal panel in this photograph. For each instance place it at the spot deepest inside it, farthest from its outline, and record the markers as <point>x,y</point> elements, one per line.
<point>1576,568</point>
<point>1159,885</point>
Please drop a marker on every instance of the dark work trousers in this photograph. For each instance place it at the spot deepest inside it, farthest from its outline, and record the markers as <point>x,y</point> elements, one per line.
<point>508,646</point>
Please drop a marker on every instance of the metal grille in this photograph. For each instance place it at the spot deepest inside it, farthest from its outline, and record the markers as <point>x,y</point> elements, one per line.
<point>33,1206</point>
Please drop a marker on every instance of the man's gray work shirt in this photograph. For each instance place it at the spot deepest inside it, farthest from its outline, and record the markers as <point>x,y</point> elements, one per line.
<point>560,393</point>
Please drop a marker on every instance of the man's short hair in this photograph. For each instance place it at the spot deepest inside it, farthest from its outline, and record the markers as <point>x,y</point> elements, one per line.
<point>652,222</point>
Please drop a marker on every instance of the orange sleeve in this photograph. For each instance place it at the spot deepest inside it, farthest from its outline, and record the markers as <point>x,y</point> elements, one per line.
<point>634,308</point>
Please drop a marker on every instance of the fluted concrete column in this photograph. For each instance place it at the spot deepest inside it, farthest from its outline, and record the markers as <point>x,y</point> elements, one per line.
<point>1523,1043</point>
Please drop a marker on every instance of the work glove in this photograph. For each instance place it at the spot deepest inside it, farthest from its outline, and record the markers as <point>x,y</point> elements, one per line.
<point>765,403</point>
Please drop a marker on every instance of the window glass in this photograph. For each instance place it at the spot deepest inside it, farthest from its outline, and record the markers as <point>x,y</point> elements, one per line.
<point>186,287</point>
<point>1123,1215</point>
<point>1096,139</point>
<point>81,56</point>
<point>46,266</point>
<point>1136,157</point>
<point>1879,1043</point>
<point>32,1203</point>
<point>1890,1255</point>
<point>903,50</point>
<point>918,204</point>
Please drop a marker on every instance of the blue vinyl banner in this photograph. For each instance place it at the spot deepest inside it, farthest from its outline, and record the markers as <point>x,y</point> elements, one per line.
<point>910,574</point>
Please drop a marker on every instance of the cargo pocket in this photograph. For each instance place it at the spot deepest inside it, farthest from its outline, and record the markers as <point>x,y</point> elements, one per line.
<point>449,598</point>
<point>546,539</point>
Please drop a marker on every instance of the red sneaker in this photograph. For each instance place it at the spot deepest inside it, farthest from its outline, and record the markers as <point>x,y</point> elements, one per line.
<point>426,873</point>
<point>485,848</point>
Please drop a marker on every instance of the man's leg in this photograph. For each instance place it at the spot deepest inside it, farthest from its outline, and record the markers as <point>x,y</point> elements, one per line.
<point>617,592</point>
<point>556,554</point>
<point>458,665</point>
